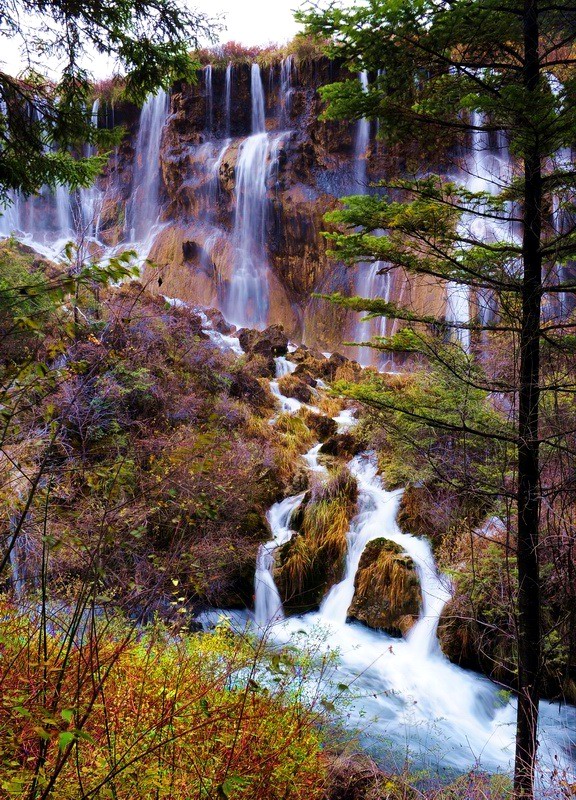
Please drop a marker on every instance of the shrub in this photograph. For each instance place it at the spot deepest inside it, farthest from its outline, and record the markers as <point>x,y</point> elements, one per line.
<point>106,711</point>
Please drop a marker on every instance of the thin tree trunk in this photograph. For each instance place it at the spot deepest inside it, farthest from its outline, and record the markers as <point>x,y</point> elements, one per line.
<point>529,646</point>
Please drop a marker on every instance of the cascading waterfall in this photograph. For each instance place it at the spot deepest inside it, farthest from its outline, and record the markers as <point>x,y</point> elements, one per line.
<point>17,557</point>
<point>90,199</point>
<point>246,299</point>
<point>369,283</point>
<point>361,144</point>
<point>143,209</point>
<point>487,170</point>
<point>45,220</point>
<point>48,220</point>
<point>209,98</point>
<point>406,693</point>
<point>258,102</point>
<point>228,98</point>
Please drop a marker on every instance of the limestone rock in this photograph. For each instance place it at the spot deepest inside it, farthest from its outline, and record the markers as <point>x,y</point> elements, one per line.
<point>219,323</point>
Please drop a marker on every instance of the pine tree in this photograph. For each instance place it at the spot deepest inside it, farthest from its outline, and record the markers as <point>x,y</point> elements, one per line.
<point>442,72</point>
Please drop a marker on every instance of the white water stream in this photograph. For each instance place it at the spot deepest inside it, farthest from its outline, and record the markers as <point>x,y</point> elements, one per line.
<point>406,698</point>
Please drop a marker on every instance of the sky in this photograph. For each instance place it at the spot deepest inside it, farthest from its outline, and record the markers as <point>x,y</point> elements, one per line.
<point>254,21</point>
<point>250,22</point>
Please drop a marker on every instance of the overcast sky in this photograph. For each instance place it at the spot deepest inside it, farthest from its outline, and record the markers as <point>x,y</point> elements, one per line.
<point>255,21</point>
<point>250,22</point>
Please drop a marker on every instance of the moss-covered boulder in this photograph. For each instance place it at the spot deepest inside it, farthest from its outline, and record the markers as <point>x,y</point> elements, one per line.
<point>270,342</point>
<point>387,592</point>
<point>324,427</point>
<point>341,445</point>
<point>313,560</point>
<point>291,386</point>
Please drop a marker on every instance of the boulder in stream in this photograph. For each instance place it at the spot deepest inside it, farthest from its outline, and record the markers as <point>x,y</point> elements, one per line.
<point>387,592</point>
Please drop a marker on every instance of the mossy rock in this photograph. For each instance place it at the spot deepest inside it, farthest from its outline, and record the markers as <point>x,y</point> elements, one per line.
<point>259,366</point>
<point>324,427</point>
<point>387,592</point>
<point>291,386</point>
<point>341,445</point>
<point>313,560</point>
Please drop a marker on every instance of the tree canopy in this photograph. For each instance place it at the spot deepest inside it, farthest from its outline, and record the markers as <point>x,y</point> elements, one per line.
<point>501,75</point>
<point>44,121</point>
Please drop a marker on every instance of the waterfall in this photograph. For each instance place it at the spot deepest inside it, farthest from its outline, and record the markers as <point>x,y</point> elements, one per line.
<point>43,220</point>
<point>486,170</point>
<point>369,283</point>
<point>209,98</point>
<point>361,143</point>
<point>90,199</point>
<point>143,208</point>
<point>405,692</point>
<point>257,95</point>
<point>410,704</point>
<point>267,603</point>
<point>228,99</point>
<point>247,297</point>
<point>285,96</point>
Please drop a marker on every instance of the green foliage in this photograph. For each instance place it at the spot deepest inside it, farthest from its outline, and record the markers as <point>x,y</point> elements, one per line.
<point>43,124</point>
<point>23,289</point>
<point>435,426</point>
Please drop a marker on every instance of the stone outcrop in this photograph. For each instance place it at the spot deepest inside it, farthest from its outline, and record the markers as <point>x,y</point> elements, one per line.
<point>313,560</point>
<point>387,592</point>
<point>193,255</point>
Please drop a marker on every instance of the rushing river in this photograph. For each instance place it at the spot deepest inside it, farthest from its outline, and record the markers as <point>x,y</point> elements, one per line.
<point>406,699</point>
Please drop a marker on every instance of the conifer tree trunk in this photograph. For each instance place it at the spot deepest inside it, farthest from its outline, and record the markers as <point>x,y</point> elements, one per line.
<point>529,645</point>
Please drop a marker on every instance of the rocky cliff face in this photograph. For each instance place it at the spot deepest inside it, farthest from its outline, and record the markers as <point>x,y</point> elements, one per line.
<point>236,199</point>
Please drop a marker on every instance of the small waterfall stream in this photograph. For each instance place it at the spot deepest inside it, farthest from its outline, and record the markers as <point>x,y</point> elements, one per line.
<point>267,603</point>
<point>407,699</point>
<point>143,209</point>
